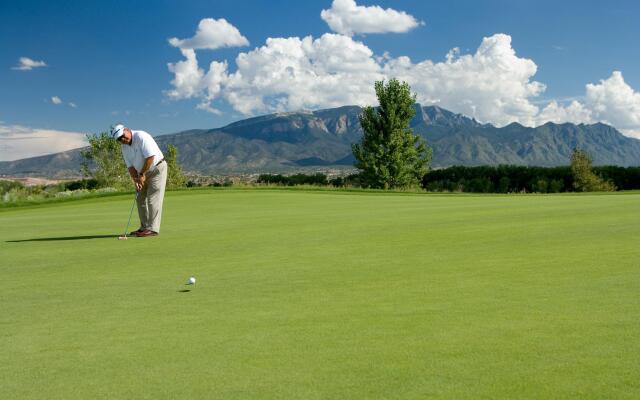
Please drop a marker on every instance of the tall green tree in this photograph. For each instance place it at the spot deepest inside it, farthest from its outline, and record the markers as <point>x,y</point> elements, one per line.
<point>175,176</point>
<point>390,155</point>
<point>584,180</point>
<point>102,161</point>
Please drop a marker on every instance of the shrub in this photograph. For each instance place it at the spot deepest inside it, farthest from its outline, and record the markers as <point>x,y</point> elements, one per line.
<point>584,180</point>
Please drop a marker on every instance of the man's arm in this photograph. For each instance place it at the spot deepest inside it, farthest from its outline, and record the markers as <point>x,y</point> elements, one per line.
<point>148,163</point>
<point>133,173</point>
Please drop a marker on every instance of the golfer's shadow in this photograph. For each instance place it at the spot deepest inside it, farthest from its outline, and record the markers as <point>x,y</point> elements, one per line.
<point>48,239</point>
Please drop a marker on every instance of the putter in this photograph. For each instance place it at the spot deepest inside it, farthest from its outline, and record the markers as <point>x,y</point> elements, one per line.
<point>124,237</point>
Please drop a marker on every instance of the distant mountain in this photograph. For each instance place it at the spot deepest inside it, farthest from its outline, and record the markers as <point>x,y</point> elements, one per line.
<point>57,165</point>
<point>287,142</point>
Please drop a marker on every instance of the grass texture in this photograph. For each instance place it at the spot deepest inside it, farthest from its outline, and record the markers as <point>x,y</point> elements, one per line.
<point>324,295</point>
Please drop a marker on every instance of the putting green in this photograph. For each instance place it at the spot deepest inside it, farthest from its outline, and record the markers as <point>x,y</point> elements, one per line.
<point>324,295</point>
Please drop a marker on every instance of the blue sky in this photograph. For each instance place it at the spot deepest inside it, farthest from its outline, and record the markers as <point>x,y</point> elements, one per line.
<point>109,58</point>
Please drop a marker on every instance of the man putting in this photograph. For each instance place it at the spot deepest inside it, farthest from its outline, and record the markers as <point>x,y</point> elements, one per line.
<point>148,170</point>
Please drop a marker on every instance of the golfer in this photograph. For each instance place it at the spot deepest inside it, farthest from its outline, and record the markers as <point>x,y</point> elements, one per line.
<point>148,170</point>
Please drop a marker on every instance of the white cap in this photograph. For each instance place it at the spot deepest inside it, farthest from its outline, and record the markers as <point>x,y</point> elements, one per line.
<point>117,131</point>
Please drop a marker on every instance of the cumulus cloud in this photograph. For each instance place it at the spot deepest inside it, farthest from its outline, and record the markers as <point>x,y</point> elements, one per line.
<point>348,18</point>
<point>615,102</point>
<point>187,80</point>
<point>611,101</point>
<point>27,64</point>
<point>492,84</point>
<point>190,81</point>
<point>575,112</point>
<point>56,100</point>
<point>18,142</point>
<point>212,34</point>
<point>294,73</point>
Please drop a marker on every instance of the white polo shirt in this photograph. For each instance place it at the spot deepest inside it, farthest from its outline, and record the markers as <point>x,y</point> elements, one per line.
<point>142,146</point>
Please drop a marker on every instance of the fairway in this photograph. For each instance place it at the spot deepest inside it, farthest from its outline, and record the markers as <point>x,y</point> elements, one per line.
<point>324,295</point>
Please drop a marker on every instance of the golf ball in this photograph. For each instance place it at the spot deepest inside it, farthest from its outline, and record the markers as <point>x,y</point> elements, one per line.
<point>191,281</point>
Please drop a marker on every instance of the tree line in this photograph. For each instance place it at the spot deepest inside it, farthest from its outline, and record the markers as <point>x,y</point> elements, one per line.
<point>484,179</point>
<point>519,179</point>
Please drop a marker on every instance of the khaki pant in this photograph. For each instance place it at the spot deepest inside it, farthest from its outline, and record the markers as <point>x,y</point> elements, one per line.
<point>151,197</point>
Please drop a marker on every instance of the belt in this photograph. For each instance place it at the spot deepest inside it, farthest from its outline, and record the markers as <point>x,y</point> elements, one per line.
<point>159,162</point>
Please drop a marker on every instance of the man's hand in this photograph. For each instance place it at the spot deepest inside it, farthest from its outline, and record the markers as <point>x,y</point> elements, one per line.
<point>139,182</point>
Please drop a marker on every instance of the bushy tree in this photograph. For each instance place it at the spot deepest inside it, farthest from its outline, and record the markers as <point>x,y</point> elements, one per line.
<point>541,186</point>
<point>503,185</point>
<point>103,162</point>
<point>6,186</point>
<point>175,175</point>
<point>390,155</point>
<point>555,186</point>
<point>584,180</point>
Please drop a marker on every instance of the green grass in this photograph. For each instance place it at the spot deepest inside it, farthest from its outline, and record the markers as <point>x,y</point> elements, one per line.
<point>324,295</point>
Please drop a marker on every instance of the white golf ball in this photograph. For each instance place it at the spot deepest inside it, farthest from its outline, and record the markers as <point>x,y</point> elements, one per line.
<point>191,281</point>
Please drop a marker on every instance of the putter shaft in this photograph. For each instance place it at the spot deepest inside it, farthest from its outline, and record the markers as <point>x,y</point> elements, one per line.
<point>130,213</point>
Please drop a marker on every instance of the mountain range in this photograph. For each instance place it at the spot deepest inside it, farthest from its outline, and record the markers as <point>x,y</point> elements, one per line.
<point>313,140</point>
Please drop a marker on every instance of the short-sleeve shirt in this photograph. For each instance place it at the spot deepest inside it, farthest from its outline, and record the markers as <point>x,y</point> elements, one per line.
<point>142,146</point>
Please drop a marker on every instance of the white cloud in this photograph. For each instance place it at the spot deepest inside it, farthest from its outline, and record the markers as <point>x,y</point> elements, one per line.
<point>611,101</point>
<point>27,64</point>
<point>575,112</point>
<point>191,81</point>
<point>294,73</point>
<point>635,133</point>
<point>492,84</point>
<point>73,105</point>
<point>207,107</point>
<point>615,102</point>
<point>187,81</point>
<point>56,100</point>
<point>348,18</point>
<point>213,81</point>
<point>212,34</point>
<point>18,142</point>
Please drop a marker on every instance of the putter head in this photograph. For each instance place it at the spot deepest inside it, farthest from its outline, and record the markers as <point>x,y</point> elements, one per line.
<point>122,238</point>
